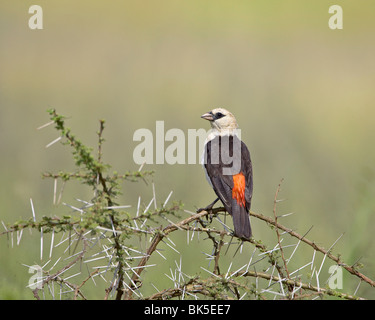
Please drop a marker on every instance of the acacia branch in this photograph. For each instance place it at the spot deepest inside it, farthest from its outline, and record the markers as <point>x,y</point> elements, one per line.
<point>350,269</point>
<point>184,224</point>
<point>298,284</point>
<point>159,235</point>
<point>290,288</point>
<point>204,287</point>
<point>55,276</point>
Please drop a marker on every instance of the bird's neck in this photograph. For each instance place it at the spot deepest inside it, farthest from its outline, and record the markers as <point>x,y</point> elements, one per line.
<point>214,132</point>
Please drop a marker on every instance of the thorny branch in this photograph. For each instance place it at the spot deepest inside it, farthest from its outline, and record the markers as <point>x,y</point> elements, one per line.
<point>291,284</point>
<point>202,286</point>
<point>157,238</point>
<point>275,201</point>
<point>350,269</point>
<point>100,220</point>
<point>56,276</point>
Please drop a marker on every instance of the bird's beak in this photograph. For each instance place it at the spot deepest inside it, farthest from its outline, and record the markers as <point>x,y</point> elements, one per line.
<point>208,116</point>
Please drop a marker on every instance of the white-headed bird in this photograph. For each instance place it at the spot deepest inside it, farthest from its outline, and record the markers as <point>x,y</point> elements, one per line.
<point>228,169</point>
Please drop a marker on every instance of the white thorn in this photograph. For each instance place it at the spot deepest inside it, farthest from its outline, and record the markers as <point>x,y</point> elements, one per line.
<point>45,125</point>
<point>32,208</point>
<point>41,243</point>
<point>52,241</point>
<point>166,200</point>
<point>53,142</point>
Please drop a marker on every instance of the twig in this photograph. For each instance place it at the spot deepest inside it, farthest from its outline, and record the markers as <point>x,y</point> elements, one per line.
<point>299,284</point>
<point>83,282</point>
<point>350,269</point>
<point>159,235</point>
<point>290,288</point>
<point>56,275</point>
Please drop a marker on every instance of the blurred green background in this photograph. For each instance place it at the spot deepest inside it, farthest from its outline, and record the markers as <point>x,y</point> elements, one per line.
<point>303,95</point>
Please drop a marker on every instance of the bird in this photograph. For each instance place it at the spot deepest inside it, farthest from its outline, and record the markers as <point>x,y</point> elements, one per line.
<point>227,163</point>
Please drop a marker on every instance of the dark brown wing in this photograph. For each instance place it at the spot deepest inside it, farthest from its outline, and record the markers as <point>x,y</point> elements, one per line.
<point>226,157</point>
<point>247,170</point>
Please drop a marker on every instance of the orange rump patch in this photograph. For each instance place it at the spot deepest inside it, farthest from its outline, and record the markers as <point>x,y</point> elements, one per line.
<point>238,191</point>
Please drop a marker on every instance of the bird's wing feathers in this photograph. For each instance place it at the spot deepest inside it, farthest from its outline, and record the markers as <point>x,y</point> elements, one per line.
<point>223,183</point>
<point>247,169</point>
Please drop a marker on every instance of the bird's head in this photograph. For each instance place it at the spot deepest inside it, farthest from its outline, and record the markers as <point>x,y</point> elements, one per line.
<point>221,120</point>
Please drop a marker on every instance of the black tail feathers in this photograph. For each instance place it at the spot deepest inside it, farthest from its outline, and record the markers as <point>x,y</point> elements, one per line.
<point>241,221</point>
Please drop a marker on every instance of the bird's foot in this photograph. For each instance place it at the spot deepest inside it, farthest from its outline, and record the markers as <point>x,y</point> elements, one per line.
<point>209,207</point>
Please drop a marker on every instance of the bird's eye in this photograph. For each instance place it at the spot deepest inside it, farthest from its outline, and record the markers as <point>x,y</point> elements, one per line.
<point>219,115</point>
